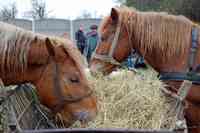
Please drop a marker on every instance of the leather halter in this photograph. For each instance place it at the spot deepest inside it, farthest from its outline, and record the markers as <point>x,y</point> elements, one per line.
<point>110,57</point>
<point>61,99</point>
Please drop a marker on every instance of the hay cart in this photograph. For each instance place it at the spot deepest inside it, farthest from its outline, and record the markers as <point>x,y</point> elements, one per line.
<point>21,112</point>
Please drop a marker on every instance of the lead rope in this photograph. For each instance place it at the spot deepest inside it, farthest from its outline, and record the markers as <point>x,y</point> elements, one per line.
<point>181,125</point>
<point>185,87</point>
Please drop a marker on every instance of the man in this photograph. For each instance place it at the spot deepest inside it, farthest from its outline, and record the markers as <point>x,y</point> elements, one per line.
<point>92,39</point>
<point>80,39</point>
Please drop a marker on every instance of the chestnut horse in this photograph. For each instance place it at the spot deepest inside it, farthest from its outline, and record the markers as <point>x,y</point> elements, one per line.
<point>53,65</point>
<point>165,43</point>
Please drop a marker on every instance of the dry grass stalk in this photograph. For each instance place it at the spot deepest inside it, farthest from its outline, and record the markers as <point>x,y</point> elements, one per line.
<point>129,100</point>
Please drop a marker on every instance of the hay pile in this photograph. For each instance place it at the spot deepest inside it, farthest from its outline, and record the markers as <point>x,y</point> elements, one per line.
<point>129,100</point>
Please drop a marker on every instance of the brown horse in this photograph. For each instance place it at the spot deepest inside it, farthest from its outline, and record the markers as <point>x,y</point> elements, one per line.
<point>53,65</point>
<point>163,40</point>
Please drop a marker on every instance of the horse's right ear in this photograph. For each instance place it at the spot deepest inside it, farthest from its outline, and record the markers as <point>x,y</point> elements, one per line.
<point>50,47</point>
<point>114,14</point>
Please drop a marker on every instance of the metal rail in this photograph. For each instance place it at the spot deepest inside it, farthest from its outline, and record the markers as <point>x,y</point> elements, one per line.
<point>99,130</point>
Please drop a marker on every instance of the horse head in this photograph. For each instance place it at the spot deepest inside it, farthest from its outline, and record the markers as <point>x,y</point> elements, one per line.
<point>61,83</point>
<point>53,65</point>
<point>114,46</point>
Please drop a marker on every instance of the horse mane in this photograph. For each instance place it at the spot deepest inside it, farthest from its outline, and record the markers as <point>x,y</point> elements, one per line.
<point>15,45</point>
<point>157,30</point>
<point>14,48</point>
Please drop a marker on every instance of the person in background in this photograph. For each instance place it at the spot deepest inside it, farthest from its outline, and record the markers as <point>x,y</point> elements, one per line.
<point>92,40</point>
<point>80,39</point>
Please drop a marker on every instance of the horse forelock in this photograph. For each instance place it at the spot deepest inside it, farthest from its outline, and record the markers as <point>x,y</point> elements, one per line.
<point>76,56</point>
<point>152,30</point>
<point>72,51</point>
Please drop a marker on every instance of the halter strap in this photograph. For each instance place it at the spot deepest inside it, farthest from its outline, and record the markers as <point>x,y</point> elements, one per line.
<point>110,57</point>
<point>62,100</point>
<point>106,58</point>
<point>115,40</point>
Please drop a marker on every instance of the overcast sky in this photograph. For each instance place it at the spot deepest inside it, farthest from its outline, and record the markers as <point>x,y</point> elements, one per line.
<point>67,9</point>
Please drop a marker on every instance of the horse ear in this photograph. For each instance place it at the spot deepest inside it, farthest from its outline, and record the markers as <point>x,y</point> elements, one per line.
<point>114,14</point>
<point>50,47</point>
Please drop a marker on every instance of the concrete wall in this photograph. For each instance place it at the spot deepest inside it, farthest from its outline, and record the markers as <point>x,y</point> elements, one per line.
<point>55,27</point>
<point>26,24</point>
<point>86,24</point>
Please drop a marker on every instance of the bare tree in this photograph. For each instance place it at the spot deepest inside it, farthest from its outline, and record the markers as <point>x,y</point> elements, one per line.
<point>84,14</point>
<point>9,12</point>
<point>38,11</point>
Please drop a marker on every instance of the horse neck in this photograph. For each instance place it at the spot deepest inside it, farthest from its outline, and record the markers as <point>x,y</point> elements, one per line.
<point>177,63</point>
<point>161,63</point>
<point>164,51</point>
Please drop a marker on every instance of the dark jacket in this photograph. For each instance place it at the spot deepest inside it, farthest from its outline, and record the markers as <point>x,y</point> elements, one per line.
<point>80,37</point>
<point>92,40</point>
<point>80,40</point>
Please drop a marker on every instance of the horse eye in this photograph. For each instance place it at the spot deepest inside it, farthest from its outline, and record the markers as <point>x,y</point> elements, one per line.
<point>74,80</point>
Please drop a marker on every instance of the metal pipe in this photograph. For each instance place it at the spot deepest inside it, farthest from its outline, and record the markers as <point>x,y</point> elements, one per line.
<point>99,130</point>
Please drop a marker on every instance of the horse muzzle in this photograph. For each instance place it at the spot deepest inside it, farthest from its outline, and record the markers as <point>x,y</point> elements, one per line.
<point>96,68</point>
<point>104,69</point>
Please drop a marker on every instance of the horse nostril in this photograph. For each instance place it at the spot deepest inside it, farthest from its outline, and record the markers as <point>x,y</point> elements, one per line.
<point>82,116</point>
